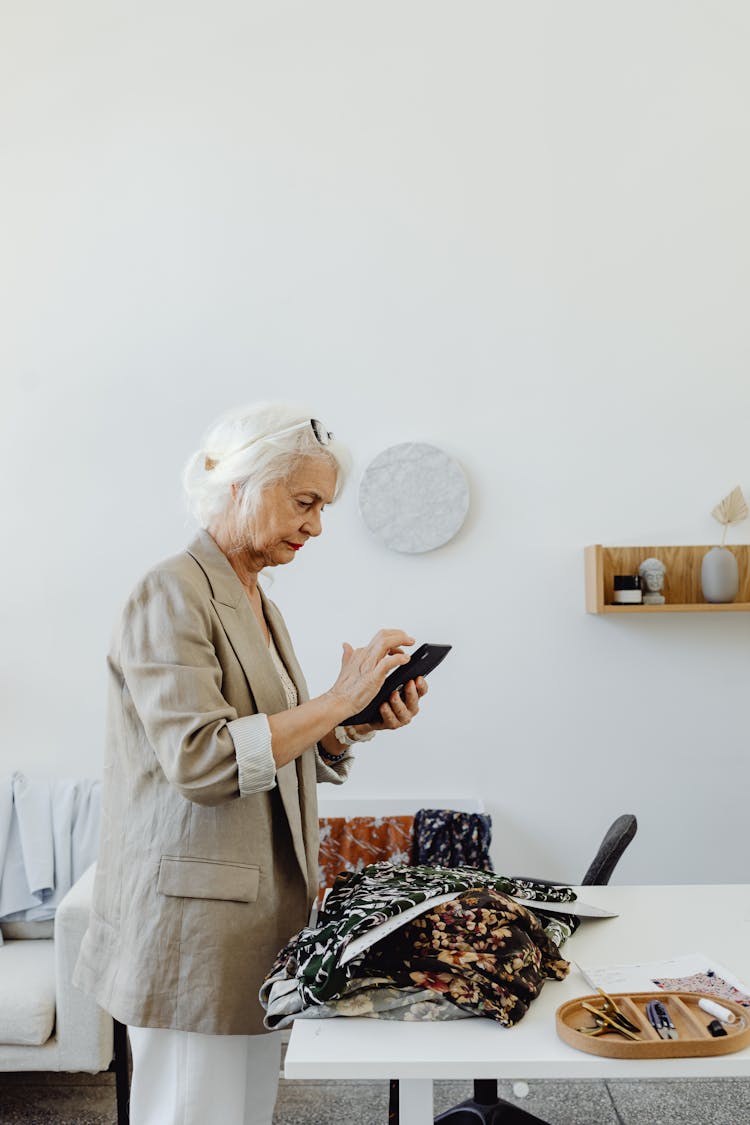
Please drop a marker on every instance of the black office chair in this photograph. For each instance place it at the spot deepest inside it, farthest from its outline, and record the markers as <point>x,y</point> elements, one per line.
<point>486,1106</point>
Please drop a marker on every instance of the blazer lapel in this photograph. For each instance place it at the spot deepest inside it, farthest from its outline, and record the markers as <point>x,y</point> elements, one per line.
<point>240,625</point>
<point>291,777</point>
<point>306,805</point>
<point>246,637</point>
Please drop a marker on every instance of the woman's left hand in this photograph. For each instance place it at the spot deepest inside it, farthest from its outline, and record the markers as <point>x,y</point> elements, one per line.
<point>398,712</point>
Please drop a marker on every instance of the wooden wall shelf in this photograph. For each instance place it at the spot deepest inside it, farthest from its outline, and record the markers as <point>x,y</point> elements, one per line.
<point>682,581</point>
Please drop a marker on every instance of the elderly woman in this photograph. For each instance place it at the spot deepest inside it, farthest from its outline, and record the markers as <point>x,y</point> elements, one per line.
<point>209,841</point>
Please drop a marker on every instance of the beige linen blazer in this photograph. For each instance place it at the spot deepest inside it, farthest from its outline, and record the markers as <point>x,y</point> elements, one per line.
<point>197,887</point>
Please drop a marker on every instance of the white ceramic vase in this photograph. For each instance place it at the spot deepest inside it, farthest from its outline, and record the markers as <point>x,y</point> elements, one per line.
<point>720,579</point>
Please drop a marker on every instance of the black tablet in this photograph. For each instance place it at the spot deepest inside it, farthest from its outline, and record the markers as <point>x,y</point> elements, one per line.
<point>421,663</point>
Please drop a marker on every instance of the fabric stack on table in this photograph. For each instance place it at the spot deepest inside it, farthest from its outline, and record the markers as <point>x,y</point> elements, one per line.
<point>420,942</point>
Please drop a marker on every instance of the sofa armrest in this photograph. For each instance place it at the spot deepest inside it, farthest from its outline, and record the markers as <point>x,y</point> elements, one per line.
<point>84,1030</point>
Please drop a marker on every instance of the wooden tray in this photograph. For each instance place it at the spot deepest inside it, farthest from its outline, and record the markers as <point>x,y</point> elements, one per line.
<point>691,1024</point>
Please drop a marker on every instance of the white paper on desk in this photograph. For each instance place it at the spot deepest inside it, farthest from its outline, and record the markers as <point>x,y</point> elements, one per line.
<point>640,976</point>
<point>580,909</point>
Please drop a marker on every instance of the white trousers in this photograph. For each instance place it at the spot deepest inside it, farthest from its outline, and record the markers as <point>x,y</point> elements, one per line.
<point>185,1078</point>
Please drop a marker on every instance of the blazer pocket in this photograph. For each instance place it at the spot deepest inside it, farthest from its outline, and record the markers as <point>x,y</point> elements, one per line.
<point>184,877</point>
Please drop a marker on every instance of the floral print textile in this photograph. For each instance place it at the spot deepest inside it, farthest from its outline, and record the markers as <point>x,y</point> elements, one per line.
<point>444,838</point>
<point>488,954</point>
<point>349,843</point>
<point>310,964</point>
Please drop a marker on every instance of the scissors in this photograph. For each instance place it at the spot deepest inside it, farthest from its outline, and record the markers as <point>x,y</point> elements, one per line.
<point>608,1021</point>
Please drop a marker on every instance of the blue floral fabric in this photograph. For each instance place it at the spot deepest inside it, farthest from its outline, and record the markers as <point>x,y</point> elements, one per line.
<point>445,838</point>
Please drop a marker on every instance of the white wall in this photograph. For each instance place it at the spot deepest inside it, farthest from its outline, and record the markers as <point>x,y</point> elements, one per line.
<point>517,231</point>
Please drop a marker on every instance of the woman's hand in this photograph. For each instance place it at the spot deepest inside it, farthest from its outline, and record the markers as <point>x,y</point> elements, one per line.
<point>363,670</point>
<point>397,712</point>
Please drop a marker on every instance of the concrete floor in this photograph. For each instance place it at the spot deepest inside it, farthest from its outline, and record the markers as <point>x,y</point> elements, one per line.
<point>84,1099</point>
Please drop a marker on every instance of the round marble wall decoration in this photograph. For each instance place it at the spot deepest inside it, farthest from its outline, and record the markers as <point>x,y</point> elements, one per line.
<point>413,497</point>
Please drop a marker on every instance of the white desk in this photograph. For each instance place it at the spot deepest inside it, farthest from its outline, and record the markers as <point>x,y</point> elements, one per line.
<point>653,923</point>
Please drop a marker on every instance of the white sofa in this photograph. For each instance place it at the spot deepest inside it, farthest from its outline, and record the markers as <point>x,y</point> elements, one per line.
<point>46,1023</point>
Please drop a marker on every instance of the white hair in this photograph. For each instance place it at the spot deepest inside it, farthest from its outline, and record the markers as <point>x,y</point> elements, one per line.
<point>254,447</point>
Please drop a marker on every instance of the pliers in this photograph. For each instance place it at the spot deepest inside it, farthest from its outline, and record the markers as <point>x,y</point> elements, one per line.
<point>659,1019</point>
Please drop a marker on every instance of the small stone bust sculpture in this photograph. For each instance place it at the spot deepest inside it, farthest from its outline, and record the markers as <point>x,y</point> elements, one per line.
<point>652,572</point>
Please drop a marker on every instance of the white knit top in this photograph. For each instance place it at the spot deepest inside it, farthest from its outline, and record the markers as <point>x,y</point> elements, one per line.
<point>286,679</point>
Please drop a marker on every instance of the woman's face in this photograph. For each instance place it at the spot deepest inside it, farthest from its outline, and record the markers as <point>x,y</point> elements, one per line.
<point>289,513</point>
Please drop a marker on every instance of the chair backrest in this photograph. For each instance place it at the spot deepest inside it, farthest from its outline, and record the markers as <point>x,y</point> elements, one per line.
<point>616,839</point>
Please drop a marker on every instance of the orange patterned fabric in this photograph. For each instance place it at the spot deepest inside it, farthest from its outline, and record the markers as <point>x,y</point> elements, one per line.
<point>349,844</point>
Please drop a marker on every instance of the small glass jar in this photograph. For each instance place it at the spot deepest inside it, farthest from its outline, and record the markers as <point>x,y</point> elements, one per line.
<point>627,589</point>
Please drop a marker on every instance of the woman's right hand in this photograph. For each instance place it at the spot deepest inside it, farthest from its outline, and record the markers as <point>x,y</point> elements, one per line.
<point>363,670</point>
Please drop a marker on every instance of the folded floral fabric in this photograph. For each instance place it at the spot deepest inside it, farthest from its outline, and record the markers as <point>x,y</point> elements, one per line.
<point>488,954</point>
<point>311,963</point>
<point>350,843</point>
<point>445,838</point>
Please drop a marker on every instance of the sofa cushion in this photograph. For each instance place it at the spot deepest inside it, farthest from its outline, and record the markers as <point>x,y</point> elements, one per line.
<point>27,992</point>
<point>27,931</point>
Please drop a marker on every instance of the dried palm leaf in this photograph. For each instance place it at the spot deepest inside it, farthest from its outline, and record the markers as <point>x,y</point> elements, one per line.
<point>731,510</point>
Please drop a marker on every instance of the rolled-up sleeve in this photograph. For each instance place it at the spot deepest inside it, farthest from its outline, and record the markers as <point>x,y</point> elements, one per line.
<point>334,772</point>
<point>251,736</point>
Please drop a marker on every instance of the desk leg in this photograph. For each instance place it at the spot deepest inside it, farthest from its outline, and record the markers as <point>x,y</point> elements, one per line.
<point>415,1101</point>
